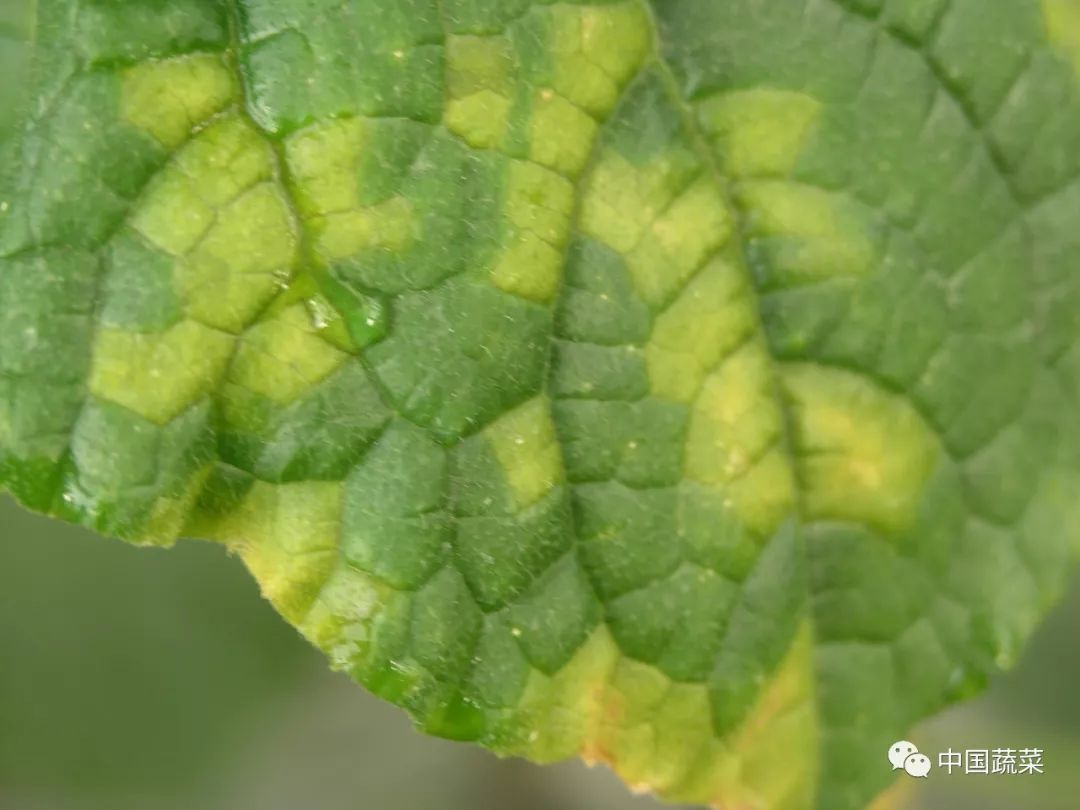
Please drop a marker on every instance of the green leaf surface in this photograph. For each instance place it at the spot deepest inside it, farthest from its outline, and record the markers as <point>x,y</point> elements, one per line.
<point>688,385</point>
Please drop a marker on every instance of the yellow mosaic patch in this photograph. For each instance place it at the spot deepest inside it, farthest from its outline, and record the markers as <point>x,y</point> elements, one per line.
<point>764,497</point>
<point>478,63</point>
<point>385,226</point>
<point>864,454</point>
<point>658,735</point>
<point>284,356</point>
<point>713,314</point>
<point>529,267</point>
<point>211,169</point>
<point>168,98</point>
<point>771,760</point>
<point>1062,19</point>
<point>560,135</point>
<point>735,418</point>
<point>241,263</point>
<point>480,119</point>
<point>732,443</point>
<point>815,233</point>
<point>287,536</point>
<point>159,375</point>
<point>323,161</point>
<point>224,159</point>
<point>526,446</point>
<point>655,731</point>
<point>339,620</point>
<point>566,709</point>
<point>621,200</point>
<point>759,132</point>
<point>479,85</point>
<point>169,513</point>
<point>172,214</point>
<point>539,201</point>
<point>595,50</point>
<point>538,207</point>
<point>678,241</point>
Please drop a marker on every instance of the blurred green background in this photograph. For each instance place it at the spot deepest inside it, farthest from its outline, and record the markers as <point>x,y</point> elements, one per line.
<point>148,680</point>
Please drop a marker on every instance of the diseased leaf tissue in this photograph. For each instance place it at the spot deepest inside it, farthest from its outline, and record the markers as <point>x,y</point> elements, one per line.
<point>690,385</point>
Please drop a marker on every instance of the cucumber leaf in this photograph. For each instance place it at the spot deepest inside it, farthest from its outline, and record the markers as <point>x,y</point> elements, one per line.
<point>687,385</point>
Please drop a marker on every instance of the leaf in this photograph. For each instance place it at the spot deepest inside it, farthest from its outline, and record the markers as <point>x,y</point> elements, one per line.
<point>690,386</point>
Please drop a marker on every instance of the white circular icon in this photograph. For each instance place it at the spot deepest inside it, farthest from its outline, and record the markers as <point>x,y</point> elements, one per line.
<point>899,751</point>
<point>917,765</point>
